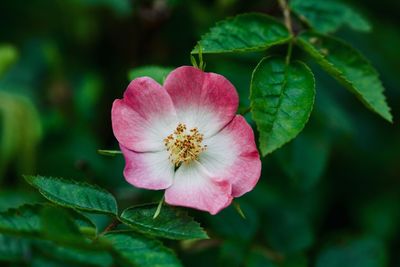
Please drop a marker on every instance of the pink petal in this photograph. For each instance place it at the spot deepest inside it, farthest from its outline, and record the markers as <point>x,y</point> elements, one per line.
<point>232,155</point>
<point>144,117</point>
<point>194,188</point>
<point>151,170</point>
<point>204,100</point>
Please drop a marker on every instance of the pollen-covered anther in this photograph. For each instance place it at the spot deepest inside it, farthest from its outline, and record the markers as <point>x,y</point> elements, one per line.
<point>184,146</point>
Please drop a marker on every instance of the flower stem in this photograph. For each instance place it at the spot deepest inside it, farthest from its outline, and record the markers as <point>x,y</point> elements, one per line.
<point>288,23</point>
<point>158,210</point>
<point>114,223</point>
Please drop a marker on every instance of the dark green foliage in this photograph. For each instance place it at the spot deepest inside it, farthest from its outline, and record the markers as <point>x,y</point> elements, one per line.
<point>329,191</point>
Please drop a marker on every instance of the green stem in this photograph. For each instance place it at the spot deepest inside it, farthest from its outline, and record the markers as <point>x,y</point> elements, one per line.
<point>245,111</point>
<point>115,222</point>
<point>288,23</point>
<point>158,210</point>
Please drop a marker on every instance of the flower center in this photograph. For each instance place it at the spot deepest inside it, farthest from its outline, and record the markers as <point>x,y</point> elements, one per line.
<point>184,146</point>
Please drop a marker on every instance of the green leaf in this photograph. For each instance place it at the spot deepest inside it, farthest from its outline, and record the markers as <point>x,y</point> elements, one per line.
<point>73,194</point>
<point>8,55</point>
<point>57,224</point>
<point>158,73</point>
<point>366,252</point>
<point>12,248</point>
<point>304,160</point>
<point>282,97</point>
<point>24,220</point>
<point>349,67</point>
<point>141,251</point>
<point>243,33</point>
<point>75,256</point>
<point>329,15</point>
<point>288,230</point>
<point>172,223</point>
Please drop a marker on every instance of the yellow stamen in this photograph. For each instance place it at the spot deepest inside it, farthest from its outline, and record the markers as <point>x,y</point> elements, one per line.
<point>182,146</point>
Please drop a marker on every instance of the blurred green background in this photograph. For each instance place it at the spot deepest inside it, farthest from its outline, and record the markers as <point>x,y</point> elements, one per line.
<point>329,198</point>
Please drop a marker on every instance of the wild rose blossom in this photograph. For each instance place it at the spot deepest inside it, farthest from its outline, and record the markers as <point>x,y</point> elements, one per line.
<point>184,137</point>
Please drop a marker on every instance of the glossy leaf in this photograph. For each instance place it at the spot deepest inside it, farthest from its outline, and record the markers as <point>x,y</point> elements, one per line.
<point>329,15</point>
<point>73,194</point>
<point>243,33</point>
<point>349,67</point>
<point>157,73</point>
<point>282,97</point>
<point>172,223</point>
<point>141,251</point>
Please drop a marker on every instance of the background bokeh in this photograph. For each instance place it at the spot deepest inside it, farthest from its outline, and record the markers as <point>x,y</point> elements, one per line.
<point>329,198</point>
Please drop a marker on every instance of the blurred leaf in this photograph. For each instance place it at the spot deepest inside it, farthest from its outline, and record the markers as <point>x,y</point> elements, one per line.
<point>365,252</point>
<point>282,97</point>
<point>230,225</point>
<point>380,216</point>
<point>141,251</point>
<point>87,96</point>
<point>24,220</point>
<point>75,256</point>
<point>13,248</point>
<point>73,194</point>
<point>243,33</point>
<point>349,67</point>
<point>13,198</point>
<point>288,230</point>
<point>232,253</point>
<point>260,257</point>
<point>304,160</point>
<point>20,132</point>
<point>8,55</point>
<point>172,223</point>
<point>329,15</point>
<point>56,224</point>
<point>157,73</point>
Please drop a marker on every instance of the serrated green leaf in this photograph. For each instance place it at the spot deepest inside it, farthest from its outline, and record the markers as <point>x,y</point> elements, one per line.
<point>328,15</point>
<point>366,252</point>
<point>73,194</point>
<point>172,223</point>
<point>243,33</point>
<point>282,97</point>
<point>157,73</point>
<point>141,251</point>
<point>349,67</point>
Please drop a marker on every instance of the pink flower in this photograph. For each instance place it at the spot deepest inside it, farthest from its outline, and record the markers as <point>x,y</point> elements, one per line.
<point>185,137</point>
